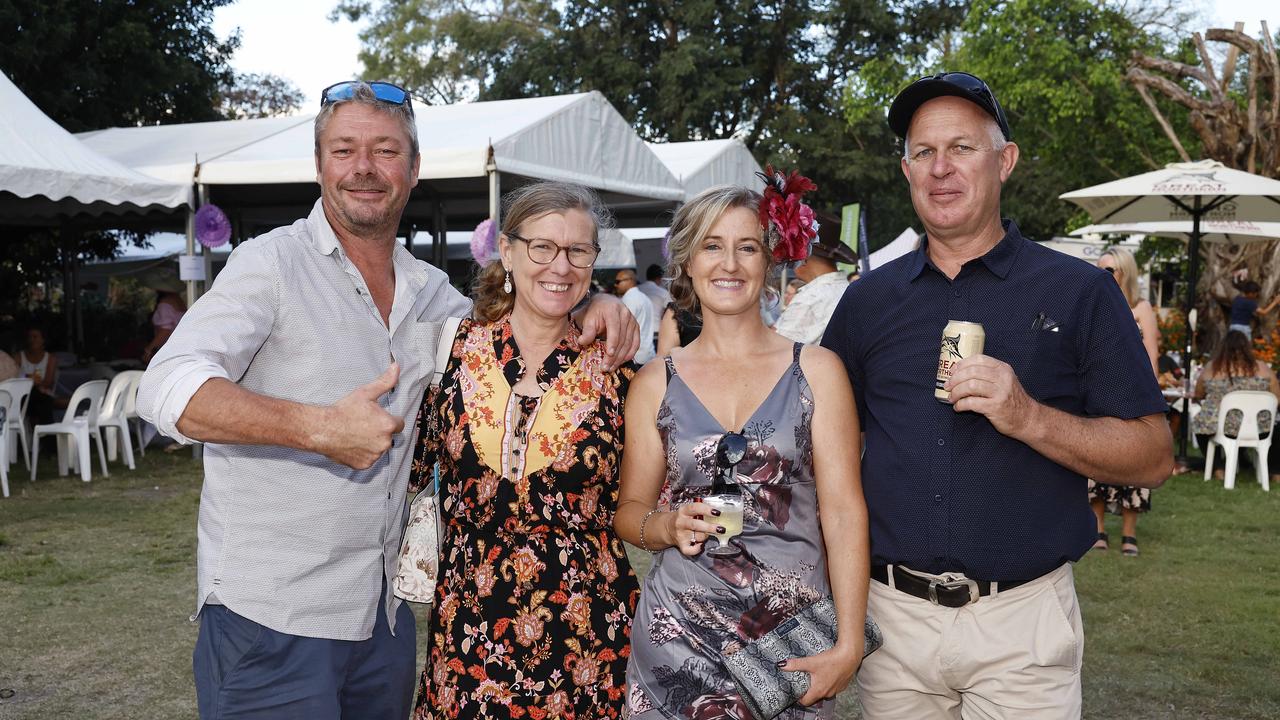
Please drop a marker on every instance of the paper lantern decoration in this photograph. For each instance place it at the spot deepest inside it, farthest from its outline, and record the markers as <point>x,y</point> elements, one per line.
<point>484,242</point>
<point>213,229</point>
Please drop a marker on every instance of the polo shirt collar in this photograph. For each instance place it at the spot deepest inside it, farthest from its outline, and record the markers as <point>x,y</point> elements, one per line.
<point>999,259</point>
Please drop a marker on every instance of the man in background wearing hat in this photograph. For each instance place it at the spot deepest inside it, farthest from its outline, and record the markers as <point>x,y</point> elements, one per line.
<point>978,508</point>
<point>805,317</point>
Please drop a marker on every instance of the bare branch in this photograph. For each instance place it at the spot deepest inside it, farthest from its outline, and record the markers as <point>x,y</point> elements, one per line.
<point>1211,85</point>
<point>1252,117</point>
<point>1173,90</point>
<point>1233,54</point>
<point>1169,67</point>
<point>1164,124</point>
<point>1233,37</point>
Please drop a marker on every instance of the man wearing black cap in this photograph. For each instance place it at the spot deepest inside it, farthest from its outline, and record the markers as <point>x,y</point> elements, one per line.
<point>978,508</point>
<point>805,317</point>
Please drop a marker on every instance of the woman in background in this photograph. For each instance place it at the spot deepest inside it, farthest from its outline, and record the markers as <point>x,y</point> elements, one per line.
<point>1126,500</point>
<point>1233,367</point>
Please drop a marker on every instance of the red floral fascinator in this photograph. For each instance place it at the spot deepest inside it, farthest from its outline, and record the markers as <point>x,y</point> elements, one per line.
<point>789,224</point>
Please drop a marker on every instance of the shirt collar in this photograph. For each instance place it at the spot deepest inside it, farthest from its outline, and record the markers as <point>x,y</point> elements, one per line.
<point>830,278</point>
<point>999,259</point>
<point>325,241</point>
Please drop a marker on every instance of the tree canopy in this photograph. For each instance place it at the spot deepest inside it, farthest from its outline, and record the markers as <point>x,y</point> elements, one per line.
<point>770,73</point>
<point>258,95</point>
<point>90,64</point>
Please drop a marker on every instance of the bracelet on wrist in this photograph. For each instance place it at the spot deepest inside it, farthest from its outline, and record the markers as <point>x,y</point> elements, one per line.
<point>645,521</point>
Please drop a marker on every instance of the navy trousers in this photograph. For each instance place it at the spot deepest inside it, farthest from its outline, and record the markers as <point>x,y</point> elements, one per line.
<point>247,671</point>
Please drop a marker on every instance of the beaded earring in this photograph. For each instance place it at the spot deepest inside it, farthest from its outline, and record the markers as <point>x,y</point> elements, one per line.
<point>506,284</point>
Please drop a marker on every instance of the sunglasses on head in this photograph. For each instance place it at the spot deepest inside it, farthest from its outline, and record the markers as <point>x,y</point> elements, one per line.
<point>1110,270</point>
<point>384,91</point>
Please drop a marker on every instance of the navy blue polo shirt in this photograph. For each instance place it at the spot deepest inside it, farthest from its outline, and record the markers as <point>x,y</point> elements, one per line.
<point>946,492</point>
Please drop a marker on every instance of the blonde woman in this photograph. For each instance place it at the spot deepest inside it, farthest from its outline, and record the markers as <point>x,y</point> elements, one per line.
<point>1128,501</point>
<point>535,596</point>
<point>790,410</point>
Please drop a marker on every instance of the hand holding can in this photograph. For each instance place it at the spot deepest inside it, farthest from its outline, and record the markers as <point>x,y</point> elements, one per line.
<point>960,339</point>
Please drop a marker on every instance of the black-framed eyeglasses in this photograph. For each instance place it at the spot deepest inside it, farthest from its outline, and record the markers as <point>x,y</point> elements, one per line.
<point>977,87</point>
<point>545,252</point>
<point>384,91</point>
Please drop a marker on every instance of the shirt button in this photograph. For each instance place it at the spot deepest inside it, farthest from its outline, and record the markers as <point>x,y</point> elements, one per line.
<point>937,498</point>
<point>941,442</point>
<point>956,293</point>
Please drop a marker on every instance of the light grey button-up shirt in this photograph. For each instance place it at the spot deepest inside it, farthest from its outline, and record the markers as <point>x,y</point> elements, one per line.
<point>290,539</point>
<point>806,318</point>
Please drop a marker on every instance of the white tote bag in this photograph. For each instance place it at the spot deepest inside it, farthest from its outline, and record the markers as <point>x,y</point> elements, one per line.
<point>419,564</point>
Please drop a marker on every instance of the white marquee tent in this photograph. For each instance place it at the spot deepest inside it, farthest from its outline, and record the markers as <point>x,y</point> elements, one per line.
<point>47,175</point>
<point>263,171</point>
<point>701,164</point>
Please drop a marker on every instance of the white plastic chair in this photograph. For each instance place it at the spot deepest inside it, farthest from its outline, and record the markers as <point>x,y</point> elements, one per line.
<point>5,401</point>
<point>74,431</point>
<point>131,407</point>
<point>1250,403</point>
<point>112,420</point>
<point>19,390</point>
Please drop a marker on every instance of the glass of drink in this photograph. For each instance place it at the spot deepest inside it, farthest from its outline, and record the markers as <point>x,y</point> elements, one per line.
<point>726,493</point>
<point>730,518</point>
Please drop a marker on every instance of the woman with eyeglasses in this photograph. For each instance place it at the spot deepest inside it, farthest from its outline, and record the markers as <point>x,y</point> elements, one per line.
<point>535,594</point>
<point>1127,501</point>
<point>742,410</point>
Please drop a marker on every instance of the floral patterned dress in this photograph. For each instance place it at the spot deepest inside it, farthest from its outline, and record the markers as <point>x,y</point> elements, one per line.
<point>535,597</point>
<point>695,610</point>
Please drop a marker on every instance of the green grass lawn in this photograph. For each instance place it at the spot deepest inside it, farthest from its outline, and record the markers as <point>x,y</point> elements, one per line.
<point>97,582</point>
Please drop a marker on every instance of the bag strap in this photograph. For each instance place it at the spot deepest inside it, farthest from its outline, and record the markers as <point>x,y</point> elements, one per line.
<point>444,346</point>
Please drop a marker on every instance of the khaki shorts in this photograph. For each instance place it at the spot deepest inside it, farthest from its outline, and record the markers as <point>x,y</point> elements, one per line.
<point>1014,654</point>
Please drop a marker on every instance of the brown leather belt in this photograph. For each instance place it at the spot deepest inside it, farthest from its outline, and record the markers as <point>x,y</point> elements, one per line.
<point>953,591</point>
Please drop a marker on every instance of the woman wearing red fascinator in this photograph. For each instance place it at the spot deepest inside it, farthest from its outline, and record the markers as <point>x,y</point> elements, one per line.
<point>760,478</point>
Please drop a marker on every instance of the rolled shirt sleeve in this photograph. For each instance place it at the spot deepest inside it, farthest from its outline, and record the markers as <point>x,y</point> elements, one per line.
<point>217,338</point>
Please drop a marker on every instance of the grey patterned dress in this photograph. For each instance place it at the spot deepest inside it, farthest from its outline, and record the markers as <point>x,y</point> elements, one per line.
<point>695,610</point>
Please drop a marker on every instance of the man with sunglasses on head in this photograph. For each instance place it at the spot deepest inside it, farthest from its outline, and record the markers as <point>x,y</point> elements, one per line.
<point>300,370</point>
<point>978,506</point>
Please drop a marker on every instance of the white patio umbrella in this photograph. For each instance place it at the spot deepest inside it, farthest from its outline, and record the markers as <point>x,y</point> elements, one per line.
<point>1195,193</point>
<point>1227,231</point>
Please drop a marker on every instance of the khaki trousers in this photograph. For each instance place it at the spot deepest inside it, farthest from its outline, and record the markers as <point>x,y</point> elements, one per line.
<point>1014,654</point>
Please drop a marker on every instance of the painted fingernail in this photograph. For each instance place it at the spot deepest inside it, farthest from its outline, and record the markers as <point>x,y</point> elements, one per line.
<point>782,663</point>
<point>715,512</point>
<point>720,529</point>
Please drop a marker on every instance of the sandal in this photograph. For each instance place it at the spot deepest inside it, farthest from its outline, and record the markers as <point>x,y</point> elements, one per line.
<point>1101,543</point>
<point>1129,546</point>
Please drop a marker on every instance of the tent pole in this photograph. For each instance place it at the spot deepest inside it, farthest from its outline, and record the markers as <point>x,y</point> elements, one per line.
<point>69,305</point>
<point>191,251</point>
<point>439,251</point>
<point>495,189</point>
<point>205,252</point>
<point>1193,272</point>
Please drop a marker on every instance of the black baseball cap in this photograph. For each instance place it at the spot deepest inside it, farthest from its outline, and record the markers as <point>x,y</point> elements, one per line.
<point>955,84</point>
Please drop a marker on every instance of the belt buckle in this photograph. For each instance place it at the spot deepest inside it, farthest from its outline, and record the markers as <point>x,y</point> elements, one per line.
<point>952,581</point>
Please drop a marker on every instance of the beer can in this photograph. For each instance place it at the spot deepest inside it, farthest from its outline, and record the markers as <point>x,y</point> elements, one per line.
<point>960,339</point>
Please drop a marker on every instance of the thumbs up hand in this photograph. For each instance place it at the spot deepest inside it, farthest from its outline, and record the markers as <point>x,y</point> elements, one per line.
<point>356,430</point>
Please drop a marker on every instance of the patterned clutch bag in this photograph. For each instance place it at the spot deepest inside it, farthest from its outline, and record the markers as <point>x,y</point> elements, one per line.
<point>768,690</point>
